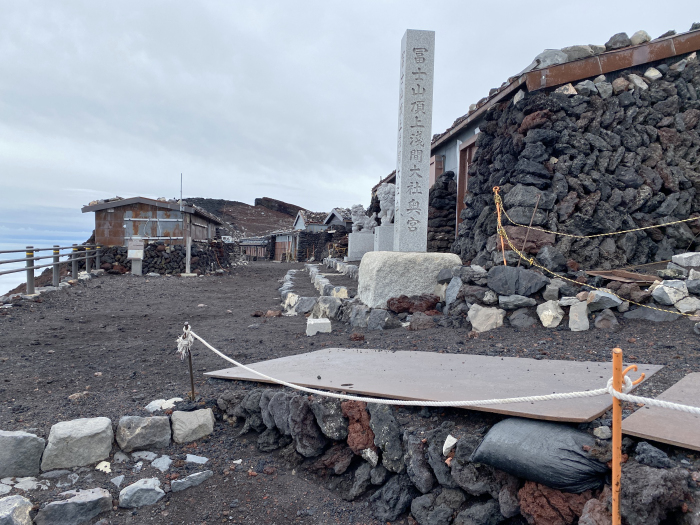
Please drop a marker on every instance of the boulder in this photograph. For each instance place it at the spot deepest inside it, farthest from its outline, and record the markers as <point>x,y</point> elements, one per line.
<point>484,319</point>
<point>377,319</point>
<point>330,419</point>
<point>279,410</point>
<point>141,433</point>
<point>550,314</point>
<point>522,319</point>
<point>140,494</point>
<point>599,300</point>
<point>305,305</point>
<point>413,304</point>
<point>438,507</point>
<point>78,443</point>
<point>421,321</point>
<point>14,510</point>
<point>80,508</point>
<point>362,479</point>
<point>552,259</point>
<point>360,434</point>
<point>578,317</point>
<point>393,499</point>
<point>484,513</point>
<point>272,439</point>
<point>359,316</point>
<point>190,426</point>
<point>192,480</point>
<point>688,305</point>
<point>541,504</point>
<point>640,37</point>
<point>606,320</point>
<point>20,454</point>
<point>513,302</point>
<point>452,290</point>
<point>444,276</point>
<point>551,293</point>
<point>326,307</point>
<point>309,441</point>
<point>337,458</point>
<point>687,259</point>
<point>648,495</point>
<point>651,456</point>
<point>384,275</point>
<point>670,292</point>
<point>387,436</point>
<point>510,280</point>
<point>649,314</point>
<point>417,466</point>
<point>618,41</point>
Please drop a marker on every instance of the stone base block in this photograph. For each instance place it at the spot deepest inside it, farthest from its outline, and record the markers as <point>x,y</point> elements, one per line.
<point>190,426</point>
<point>384,275</point>
<point>359,243</point>
<point>384,238</point>
<point>78,443</point>
<point>318,326</point>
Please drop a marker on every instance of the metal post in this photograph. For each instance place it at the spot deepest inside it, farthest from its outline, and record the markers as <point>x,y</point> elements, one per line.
<point>87,259</point>
<point>98,262</point>
<point>188,249</point>
<point>30,270</point>
<point>74,262</point>
<point>616,437</point>
<point>56,271</point>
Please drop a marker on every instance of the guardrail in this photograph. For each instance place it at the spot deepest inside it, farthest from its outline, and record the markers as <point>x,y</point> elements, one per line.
<point>77,253</point>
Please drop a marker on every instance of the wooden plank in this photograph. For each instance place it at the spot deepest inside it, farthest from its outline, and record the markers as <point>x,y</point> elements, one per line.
<point>624,276</point>
<point>670,426</point>
<point>447,377</point>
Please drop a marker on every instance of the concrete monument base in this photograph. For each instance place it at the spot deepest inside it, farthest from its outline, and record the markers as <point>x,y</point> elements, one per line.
<point>359,243</point>
<point>384,275</point>
<point>136,267</point>
<point>384,238</point>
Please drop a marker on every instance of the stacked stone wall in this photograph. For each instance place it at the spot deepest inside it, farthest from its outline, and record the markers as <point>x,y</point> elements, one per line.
<point>442,213</point>
<point>615,153</point>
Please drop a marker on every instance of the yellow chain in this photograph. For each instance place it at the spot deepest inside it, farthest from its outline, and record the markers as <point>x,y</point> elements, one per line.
<point>532,262</point>
<point>499,203</point>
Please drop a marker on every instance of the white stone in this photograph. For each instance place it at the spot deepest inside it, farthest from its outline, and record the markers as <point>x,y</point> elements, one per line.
<point>162,463</point>
<point>359,243</point>
<point>190,426</point>
<point>602,432</point>
<point>162,404</point>
<point>370,456</point>
<point>490,297</point>
<point>104,466</point>
<point>687,259</point>
<point>568,301</point>
<point>290,301</point>
<point>670,292</point>
<point>143,492</point>
<point>78,443</point>
<point>518,96</point>
<point>550,314</point>
<point>688,305</point>
<point>578,317</point>
<point>81,508</point>
<point>637,81</point>
<point>31,483</point>
<point>640,37</point>
<point>652,74</point>
<point>4,489</point>
<point>452,290</point>
<point>384,275</point>
<point>14,510</point>
<point>117,482</point>
<point>384,238</point>
<point>199,460</point>
<point>190,481</point>
<point>20,453</point>
<point>316,326</point>
<point>440,290</point>
<point>7,481</point>
<point>694,275</point>
<point>566,89</point>
<point>414,136</point>
<point>450,442</point>
<point>485,319</point>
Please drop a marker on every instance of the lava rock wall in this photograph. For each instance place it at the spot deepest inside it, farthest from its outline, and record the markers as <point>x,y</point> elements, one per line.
<point>621,153</point>
<point>442,214</point>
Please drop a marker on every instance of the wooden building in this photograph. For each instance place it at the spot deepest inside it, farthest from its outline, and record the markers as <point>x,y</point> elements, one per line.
<point>256,248</point>
<point>118,221</point>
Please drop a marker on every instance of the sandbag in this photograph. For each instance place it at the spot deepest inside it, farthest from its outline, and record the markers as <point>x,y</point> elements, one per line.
<point>548,453</point>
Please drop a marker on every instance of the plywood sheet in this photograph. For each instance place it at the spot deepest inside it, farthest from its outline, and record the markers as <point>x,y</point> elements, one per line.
<point>447,377</point>
<point>670,426</point>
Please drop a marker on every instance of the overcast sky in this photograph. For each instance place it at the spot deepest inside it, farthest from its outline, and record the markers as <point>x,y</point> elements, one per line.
<point>291,100</point>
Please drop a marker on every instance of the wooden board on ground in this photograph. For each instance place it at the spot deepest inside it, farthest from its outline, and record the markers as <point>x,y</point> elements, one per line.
<point>447,377</point>
<point>624,276</point>
<point>670,426</point>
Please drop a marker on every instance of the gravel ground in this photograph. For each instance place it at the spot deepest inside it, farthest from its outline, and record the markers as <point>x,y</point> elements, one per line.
<point>114,338</point>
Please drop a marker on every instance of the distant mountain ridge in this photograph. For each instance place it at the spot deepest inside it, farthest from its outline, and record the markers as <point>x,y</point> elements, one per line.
<point>249,221</point>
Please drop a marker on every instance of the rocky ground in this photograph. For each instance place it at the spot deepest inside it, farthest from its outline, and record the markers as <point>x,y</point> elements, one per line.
<point>112,342</point>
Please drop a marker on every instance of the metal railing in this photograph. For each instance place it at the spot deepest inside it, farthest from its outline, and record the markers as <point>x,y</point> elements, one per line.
<point>77,253</point>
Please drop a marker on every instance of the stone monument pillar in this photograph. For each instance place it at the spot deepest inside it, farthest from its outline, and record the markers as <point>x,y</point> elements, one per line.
<point>413,148</point>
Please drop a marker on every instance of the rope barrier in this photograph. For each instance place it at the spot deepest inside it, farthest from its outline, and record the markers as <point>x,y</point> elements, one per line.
<point>499,203</point>
<point>532,262</point>
<point>187,339</point>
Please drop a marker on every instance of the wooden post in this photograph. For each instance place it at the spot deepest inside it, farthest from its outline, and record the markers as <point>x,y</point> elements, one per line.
<point>616,437</point>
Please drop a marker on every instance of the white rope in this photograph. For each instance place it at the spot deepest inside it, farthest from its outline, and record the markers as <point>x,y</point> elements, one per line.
<point>188,338</point>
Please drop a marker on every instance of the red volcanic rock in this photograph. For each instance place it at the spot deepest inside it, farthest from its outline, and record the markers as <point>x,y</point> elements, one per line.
<point>412,304</point>
<point>360,435</point>
<point>544,506</point>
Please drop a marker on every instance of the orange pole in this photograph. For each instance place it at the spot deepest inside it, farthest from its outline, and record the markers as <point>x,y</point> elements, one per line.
<point>496,189</point>
<point>616,437</point>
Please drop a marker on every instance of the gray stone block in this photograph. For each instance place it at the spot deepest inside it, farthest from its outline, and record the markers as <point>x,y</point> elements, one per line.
<point>14,510</point>
<point>80,508</point>
<point>140,433</point>
<point>78,443</point>
<point>190,481</point>
<point>190,426</point>
<point>140,494</point>
<point>513,302</point>
<point>20,454</point>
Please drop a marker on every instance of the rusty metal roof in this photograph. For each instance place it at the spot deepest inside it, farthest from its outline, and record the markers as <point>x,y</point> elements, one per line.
<point>195,210</point>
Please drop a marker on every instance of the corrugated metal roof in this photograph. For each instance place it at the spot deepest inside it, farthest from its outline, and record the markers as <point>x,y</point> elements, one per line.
<point>175,206</point>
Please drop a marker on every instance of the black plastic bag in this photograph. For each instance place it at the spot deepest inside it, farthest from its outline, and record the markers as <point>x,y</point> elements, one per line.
<point>548,453</point>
